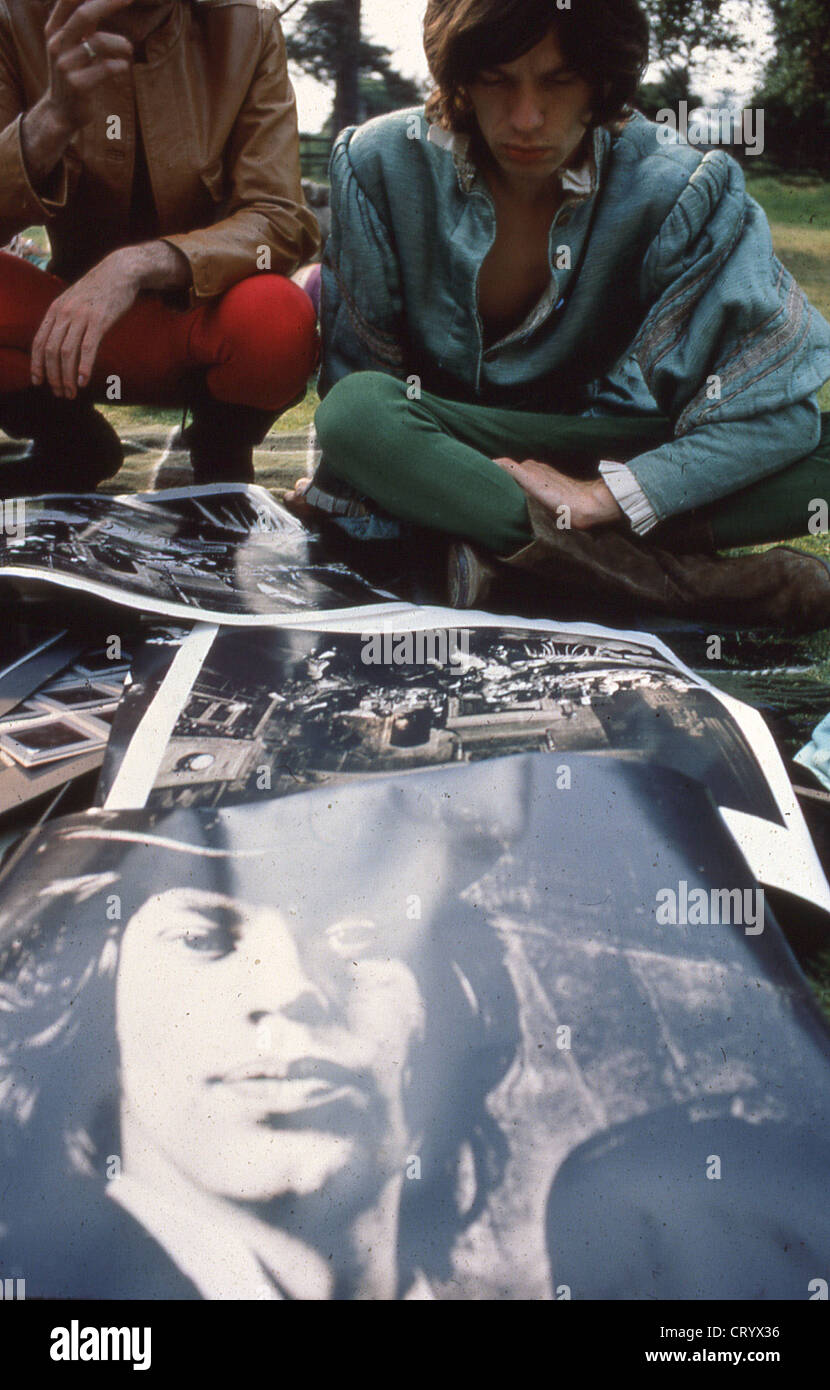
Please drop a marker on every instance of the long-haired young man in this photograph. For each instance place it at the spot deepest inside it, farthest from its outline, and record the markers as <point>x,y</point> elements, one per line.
<point>564,340</point>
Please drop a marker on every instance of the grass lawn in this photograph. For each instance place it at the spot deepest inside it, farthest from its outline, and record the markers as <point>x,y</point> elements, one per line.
<point>126,418</point>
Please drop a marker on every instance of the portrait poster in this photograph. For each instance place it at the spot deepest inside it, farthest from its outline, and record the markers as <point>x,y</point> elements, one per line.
<point>386,1039</point>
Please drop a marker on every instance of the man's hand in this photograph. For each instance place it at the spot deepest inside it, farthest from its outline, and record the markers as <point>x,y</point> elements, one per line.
<point>589,503</point>
<point>66,344</point>
<point>294,499</point>
<point>72,30</point>
<point>80,59</point>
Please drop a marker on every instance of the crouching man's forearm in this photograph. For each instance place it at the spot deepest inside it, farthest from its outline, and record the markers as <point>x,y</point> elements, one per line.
<point>66,344</point>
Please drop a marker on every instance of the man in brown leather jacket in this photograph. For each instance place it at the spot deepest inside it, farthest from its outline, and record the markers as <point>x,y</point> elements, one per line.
<point>157,141</point>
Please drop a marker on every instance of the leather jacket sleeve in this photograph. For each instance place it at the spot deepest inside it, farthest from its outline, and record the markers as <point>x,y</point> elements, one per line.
<point>264,223</point>
<point>20,204</point>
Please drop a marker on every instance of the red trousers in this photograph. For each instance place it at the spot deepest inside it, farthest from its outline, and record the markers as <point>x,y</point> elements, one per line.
<point>258,342</point>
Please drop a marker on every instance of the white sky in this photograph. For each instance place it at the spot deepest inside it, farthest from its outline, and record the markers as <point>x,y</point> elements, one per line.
<point>397,24</point>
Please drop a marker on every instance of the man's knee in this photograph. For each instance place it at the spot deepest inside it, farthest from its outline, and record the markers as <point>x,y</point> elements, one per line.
<point>267,342</point>
<point>265,312</point>
<point>355,413</point>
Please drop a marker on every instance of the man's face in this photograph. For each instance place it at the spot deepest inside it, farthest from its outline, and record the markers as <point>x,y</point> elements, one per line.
<point>532,113</point>
<point>263,1051</point>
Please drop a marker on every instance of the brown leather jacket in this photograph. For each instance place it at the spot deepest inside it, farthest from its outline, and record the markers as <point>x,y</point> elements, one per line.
<point>219,126</point>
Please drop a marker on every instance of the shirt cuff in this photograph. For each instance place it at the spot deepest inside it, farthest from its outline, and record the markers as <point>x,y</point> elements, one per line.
<point>621,482</point>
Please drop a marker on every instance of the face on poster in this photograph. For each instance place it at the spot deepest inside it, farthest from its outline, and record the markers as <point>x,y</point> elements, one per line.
<point>281,1054</point>
<point>377,1041</point>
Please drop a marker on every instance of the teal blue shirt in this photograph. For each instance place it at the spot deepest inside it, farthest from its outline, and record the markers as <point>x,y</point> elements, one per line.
<point>665,297</point>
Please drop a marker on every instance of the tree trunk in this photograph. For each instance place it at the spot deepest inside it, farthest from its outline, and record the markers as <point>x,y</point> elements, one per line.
<point>347,90</point>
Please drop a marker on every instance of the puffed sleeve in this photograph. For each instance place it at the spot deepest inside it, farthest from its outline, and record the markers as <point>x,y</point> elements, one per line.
<point>730,348</point>
<point>361,302</point>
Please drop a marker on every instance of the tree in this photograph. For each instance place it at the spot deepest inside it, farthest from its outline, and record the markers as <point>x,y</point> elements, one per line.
<point>667,93</point>
<point>326,42</point>
<point>795,90</point>
<point>682,31</point>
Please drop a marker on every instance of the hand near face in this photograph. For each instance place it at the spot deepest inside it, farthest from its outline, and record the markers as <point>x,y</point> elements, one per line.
<point>81,58</point>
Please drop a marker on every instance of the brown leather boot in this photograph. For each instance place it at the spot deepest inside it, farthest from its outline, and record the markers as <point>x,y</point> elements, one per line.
<point>470,575</point>
<point>780,587</point>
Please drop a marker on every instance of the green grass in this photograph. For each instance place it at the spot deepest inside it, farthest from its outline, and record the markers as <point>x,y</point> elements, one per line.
<point>792,199</point>
<point>300,416</point>
<point>126,418</point>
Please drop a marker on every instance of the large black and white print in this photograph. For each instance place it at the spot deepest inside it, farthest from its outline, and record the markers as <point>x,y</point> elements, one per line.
<point>224,1079</point>
<point>275,712</point>
<point>389,1039</point>
<point>226,552</point>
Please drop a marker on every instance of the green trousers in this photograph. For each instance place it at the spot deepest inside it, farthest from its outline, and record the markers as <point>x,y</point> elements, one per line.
<point>430,462</point>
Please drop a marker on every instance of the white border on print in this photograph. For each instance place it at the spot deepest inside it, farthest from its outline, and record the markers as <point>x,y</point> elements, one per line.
<point>780,856</point>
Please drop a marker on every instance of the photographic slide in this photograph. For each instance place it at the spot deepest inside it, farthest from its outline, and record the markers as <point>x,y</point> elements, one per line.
<point>31,655</point>
<point>61,730</point>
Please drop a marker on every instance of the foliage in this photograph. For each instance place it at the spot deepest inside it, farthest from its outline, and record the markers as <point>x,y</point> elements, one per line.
<point>682,31</point>
<point>795,91</point>
<point>325,41</point>
<point>667,93</point>
<point>682,28</point>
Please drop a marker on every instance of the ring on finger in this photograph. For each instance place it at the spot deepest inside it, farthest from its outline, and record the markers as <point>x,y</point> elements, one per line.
<point>89,50</point>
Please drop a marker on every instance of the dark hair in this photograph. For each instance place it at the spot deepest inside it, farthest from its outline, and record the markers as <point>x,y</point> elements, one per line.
<point>59,1057</point>
<point>604,41</point>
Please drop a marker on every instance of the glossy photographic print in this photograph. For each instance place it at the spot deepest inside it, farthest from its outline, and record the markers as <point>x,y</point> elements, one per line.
<point>385,1040</point>
<point>320,1002</point>
<point>276,712</point>
<point>217,554</point>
